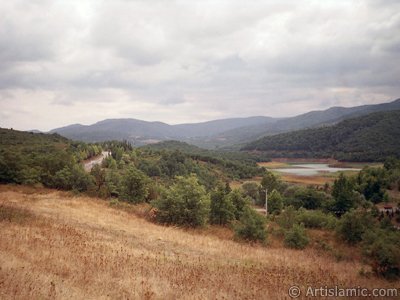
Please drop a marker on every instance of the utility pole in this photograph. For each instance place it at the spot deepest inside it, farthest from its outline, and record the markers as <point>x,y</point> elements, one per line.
<point>266,201</point>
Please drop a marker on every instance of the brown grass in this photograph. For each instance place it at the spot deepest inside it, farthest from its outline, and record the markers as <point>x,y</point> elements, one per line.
<point>81,248</point>
<point>273,164</point>
<point>307,180</point>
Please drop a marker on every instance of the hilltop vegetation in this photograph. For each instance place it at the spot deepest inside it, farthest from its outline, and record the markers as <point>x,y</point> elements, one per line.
<point>368,138</point>
<point>30,158</point>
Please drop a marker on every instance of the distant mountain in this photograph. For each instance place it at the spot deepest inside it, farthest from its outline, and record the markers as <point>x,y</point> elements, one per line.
<point>246,134</point>
<point>34,131</point>
<point>225,133</point>
<point>142,132</point>
<point>367,138</point>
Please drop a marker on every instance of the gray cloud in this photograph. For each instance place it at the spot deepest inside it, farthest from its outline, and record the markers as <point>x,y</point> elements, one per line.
<point>81,61</point>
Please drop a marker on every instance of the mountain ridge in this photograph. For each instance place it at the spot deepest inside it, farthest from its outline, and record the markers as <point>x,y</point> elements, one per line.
<point>370,137</point>
<point>228,133</point>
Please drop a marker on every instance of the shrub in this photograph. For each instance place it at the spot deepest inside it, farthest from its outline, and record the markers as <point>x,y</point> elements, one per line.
<point>296,237</point>
<point>73,178</point>
<point>382,247</point>
<point>251,226</point>
<point>316,219</point>
<point>184,203</point>
<point>287,218</point>
<point>353,225</point>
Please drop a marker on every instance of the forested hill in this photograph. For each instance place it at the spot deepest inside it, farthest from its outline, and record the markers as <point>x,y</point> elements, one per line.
<point>367,138</point>
<point>29,158</point>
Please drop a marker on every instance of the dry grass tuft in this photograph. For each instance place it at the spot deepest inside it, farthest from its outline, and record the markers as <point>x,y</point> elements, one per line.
<point>81,248</point>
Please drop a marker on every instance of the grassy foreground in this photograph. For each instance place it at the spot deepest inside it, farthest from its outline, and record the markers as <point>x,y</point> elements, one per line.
<point>55,246</point>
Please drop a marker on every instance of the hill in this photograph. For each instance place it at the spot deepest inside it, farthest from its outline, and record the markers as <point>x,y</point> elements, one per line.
<point>58,246</point>
<point>367,138</point>
<point>141,132</point>
<point>232,139</point>
<point>225,133</point>
<point>27,157</point>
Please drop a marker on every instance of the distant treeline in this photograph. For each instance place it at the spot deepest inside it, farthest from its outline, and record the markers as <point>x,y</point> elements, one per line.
<point>369,138</point>
<point>29,158</point>
<point>54,161</point>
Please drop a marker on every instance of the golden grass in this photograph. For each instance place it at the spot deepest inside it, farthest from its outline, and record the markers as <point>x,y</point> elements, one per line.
<point>273,164</point>
<point>307,180</point>
<point>81,248</point>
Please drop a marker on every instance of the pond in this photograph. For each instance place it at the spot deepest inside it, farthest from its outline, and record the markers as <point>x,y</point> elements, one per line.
<point>312,169</point>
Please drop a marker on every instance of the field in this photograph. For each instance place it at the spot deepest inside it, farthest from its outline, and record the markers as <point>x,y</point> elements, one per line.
<point>55,246</point>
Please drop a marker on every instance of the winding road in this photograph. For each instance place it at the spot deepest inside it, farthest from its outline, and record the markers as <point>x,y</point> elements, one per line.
<point>89,164</point>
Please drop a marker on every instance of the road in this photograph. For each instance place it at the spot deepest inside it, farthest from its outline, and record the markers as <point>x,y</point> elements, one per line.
<point>89,164</point>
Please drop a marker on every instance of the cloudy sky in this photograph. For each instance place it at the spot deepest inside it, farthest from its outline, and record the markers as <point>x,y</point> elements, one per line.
<point>64,62</point>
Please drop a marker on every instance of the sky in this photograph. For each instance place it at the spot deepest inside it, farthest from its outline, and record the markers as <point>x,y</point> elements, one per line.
<point>82,61</point>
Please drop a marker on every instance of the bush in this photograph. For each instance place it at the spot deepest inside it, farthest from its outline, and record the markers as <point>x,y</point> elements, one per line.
<point>296,237</point>
<point>287,218</point>
<point>73,178</point>
<point>184,203</point>
<point>316,219</point>
<point>353,225</point>
<point>382,247</point>
<point>251,227</point>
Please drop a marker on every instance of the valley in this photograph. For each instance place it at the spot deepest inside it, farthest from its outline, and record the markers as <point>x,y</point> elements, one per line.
<point>171,220</point>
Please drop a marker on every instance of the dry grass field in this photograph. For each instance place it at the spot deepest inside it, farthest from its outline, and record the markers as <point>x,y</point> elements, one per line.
<point>307,180</point>
<point>54,245</point>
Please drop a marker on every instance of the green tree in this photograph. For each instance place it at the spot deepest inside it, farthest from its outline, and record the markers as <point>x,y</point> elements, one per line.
<point>100,183</point>
<point>239,201</point>
<point>251,189</point>
<point>270,182</point>
<point>353,225</point>
<point>113,182</point>
<point>309,198</point>
<point>251,226</point>
<point>73,178</point>
<point>135,185</point>
<point>222,209</point>
<point>184,203</point>
<point>343,194</point>
<point>275,202</point>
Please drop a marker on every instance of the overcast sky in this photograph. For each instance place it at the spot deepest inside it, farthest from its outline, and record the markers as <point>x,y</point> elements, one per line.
<point>64,62</point>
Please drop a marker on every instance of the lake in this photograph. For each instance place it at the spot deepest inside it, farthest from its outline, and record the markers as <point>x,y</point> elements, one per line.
<point>312,169</point>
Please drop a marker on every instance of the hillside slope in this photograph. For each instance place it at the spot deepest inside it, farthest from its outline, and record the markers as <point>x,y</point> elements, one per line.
<point>58,246</point>
<point>367,138</point>
<point>311,119</point>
